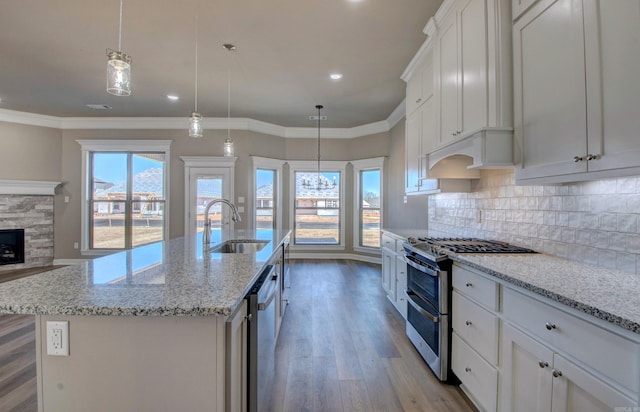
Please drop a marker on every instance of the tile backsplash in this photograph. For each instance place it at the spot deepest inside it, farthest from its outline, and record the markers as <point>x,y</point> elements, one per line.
<point>592,222</point>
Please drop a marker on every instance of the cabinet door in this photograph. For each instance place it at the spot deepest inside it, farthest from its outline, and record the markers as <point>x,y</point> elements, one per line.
<point>612,35</point>
<point>428,137</point>
<point>401,286</point>
<point>473,64</point>
<point>388,269</point>
<point>448,75</point>
<point>236,360</point>
<point>575,390</point>
<point>550,97</point>
<point>414,93</point>
<point>526,372</point>
<point>412,152</point>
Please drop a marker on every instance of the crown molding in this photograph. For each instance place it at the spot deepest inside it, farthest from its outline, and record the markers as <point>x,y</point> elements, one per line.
<point>213,123</point>
<point>397,115</point>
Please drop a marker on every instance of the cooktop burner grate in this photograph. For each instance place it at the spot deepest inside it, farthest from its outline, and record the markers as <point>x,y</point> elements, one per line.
<point>474,245</point>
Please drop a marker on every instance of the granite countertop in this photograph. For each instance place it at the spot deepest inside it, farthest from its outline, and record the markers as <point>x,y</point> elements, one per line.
<point>172,278</point>
<point>607,294</point>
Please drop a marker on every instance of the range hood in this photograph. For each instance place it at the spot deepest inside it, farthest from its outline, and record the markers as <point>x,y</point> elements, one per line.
<point>486,148</point>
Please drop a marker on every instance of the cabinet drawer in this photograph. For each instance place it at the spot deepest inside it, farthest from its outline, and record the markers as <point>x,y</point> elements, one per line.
<point>480,378</point>
<point>478,327</point>
<point>388,242</point>
<point>475,287</point>
<point>611,355</point>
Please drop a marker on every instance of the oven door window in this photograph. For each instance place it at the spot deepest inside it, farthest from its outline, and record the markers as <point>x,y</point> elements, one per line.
<point>424,284</point>
<point>427,325</point>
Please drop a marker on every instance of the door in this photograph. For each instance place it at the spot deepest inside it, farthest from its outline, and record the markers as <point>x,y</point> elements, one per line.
<point>575,390</point>
<point>204,185</point>
<point>527,373</point>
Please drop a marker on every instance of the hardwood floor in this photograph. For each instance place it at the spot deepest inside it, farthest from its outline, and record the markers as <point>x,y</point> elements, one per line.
<point>342,347</point>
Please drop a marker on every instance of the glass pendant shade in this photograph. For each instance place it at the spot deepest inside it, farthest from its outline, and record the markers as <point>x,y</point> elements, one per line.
<point>195,125</point>
<point>228,147</point>
<point>118,73</point>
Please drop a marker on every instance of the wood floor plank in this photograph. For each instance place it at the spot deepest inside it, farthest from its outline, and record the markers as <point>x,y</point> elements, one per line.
<point>355,396</point>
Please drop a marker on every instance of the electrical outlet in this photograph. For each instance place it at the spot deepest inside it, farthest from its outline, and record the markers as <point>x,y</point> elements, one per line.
<point>58,338</point>
<point>76,245</point>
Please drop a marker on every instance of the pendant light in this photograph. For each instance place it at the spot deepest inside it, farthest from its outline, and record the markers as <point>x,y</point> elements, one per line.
<point>119,67</point>
<point>320,184</point>
<point>228,143</point>
<point>195,119</point>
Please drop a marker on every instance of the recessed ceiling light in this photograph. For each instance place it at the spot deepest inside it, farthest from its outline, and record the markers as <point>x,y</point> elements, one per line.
<point>335,76</point>
<point>173,97</point>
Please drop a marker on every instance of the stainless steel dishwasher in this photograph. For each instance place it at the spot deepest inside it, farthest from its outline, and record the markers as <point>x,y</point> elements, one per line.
<point>262,337</point>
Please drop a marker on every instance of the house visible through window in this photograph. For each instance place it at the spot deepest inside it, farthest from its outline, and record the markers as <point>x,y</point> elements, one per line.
<point>265,199</point>
<point>369,205</point>
<point>127,199</point>
<point>317,217</point>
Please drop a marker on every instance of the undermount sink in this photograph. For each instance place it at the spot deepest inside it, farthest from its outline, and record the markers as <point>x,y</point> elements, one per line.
<point>239,246</point>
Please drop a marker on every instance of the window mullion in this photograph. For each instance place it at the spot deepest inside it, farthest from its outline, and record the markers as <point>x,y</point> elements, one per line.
<point>128,217</point>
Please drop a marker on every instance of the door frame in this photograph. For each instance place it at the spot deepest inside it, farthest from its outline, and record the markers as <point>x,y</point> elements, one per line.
<point>224,165</point>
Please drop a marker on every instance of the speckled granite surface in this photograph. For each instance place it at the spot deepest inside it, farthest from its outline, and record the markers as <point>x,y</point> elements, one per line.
<point>608,294</point>
<point>170,278</point>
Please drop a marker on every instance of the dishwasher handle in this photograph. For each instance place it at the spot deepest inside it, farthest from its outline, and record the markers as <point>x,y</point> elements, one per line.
<point>272,284</point>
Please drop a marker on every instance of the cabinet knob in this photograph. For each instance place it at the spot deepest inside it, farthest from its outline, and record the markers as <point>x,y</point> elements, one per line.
<point>468,323</point>
<point>453,134</point>
<point>468,284</point>
<point>543,364</point>
<point>419,100</point>
<point>467,369</point>
<point>249,316</point>
<point>577,159</point>
<point>550,326</point>
<point>556,373</point>
<point>592,157</point>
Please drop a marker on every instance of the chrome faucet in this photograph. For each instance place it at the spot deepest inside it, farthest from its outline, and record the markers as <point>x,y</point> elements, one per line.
<point>206,236</point>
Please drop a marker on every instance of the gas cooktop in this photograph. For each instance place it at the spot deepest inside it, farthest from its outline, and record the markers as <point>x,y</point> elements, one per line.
<point>465,245</point>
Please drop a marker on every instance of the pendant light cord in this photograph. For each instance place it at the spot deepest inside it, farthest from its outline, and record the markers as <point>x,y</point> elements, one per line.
<point>120,29</point>
<point>196,76</point>
<point>318,107</point>
<point>228,102</point>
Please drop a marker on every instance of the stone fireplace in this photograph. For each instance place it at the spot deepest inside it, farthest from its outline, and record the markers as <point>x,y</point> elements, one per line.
<point>26,217</point>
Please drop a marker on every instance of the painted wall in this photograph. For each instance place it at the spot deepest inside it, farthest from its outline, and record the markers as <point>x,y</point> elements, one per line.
<point>30,152</point>
<point>593,222</point>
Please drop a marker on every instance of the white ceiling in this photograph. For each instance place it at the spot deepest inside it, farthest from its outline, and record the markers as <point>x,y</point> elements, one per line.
<point>53,58</point>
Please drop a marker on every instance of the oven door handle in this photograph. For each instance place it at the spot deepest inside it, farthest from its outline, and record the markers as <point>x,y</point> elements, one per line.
<point>422,268</point>
<point>426,314</point>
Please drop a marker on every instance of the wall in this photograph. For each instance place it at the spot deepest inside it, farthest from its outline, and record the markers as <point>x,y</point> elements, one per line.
<point>592,222</point>
<point>398,214</point>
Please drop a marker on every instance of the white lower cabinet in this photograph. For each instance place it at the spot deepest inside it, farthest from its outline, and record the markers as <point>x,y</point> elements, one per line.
<point>394,272</point>
<point>536,379</point>
<point>516,351</point>
<point>236,360</point>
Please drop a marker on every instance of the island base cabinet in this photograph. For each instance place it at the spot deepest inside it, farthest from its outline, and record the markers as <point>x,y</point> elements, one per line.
<point>134,363</point>
<point>536,379</point>
<point>236,367</point>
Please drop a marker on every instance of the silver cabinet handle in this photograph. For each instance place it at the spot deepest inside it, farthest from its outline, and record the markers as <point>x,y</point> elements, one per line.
<point>592,157</point>
<point>556,373</point>
<point>467,369</point>
<point>419,100</point>
<point>468,284</point>
<point>577,159</point>
<point>468,323</point>
<point>543,364</point>
<point>550,326</point>
<point>249,317</point>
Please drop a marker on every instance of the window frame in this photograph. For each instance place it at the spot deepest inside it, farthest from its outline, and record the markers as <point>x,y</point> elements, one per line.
<point>363,165</point>
<point>311,166</point>
<point>266,163</point>
<point>118,146</point>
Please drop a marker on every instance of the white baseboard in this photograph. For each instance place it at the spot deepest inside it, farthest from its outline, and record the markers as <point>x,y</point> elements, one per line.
<point>325,256</point>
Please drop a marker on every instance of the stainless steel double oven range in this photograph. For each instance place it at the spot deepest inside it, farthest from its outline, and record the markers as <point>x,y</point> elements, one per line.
<point>429,294</point>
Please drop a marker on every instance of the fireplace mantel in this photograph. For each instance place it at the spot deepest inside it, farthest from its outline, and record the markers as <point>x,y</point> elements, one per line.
<point>27,187</point>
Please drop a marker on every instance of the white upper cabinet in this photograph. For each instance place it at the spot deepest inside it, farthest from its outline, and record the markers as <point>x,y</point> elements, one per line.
<point>576,90</point>
<point>473,75</point>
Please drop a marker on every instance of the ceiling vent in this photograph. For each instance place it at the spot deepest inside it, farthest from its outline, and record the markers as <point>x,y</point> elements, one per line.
<point>99,106</point>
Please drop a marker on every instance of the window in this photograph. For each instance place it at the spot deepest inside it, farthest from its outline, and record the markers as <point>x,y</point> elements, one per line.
<point>267,174</point>
<point>318,212</point>
<point>124,198</point>
<point>368,200</point>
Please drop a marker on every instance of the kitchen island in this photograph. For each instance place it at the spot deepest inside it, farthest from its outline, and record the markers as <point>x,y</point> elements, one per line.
<point>148,327</point>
